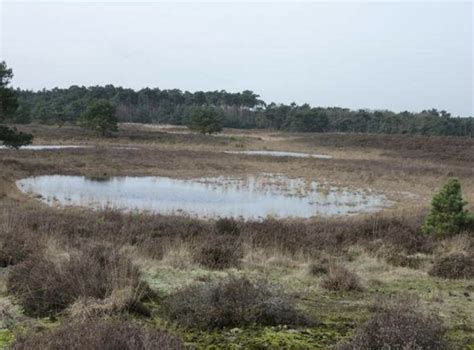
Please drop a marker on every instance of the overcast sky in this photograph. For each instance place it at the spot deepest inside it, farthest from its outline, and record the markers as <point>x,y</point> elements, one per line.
<point>378,55</point>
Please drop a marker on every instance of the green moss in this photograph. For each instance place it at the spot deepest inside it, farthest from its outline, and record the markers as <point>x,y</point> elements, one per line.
<point>6,338</point>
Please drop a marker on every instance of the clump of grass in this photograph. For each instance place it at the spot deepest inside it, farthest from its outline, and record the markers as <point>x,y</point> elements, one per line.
<point>45,287</point>
<point>98,335</point>
<point>340,278</point>
<point>454,266</point>
<point>319,267</point>
<point>219,252</point>
<point>402,260</point>
<point>398,325</point>
<point>232,302</point>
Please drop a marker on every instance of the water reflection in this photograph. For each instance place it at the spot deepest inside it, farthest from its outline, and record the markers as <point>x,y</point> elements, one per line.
<point>251,197</point>
<point>44,147</point>
<point>281,154</point>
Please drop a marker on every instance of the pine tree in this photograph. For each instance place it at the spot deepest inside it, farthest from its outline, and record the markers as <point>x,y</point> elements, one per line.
<point>447,215</point>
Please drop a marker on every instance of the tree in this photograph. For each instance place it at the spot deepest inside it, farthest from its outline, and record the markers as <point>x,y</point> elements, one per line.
<point>100,117</point>
<point>10,137</point>
<point>447,215</point>
<point>13,138</point>
<point>206,120</point>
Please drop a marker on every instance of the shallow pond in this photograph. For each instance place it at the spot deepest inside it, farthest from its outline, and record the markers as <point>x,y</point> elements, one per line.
<point>252,197</point>
<point>44,147</point>
<point>281,154</point>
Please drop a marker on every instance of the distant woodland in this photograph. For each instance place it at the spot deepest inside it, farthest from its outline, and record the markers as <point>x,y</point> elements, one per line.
<point>239,110</point>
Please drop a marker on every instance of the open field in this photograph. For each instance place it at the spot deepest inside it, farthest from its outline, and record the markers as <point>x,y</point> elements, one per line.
<point>337,271</point>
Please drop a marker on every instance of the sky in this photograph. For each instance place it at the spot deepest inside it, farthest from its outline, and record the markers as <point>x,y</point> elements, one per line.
<point>379,55</point>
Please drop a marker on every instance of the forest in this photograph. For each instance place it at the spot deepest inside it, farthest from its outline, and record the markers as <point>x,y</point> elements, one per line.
<point>243,110</point>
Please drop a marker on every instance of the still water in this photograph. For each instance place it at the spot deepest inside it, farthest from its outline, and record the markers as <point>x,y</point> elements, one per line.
<point>250,197</point>
<point>44,147</point>
<point>281,154</point>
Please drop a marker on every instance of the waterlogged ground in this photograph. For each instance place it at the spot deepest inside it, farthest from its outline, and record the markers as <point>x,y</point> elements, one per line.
<point>44,147</point>
<point>250,197</point>
<point>281,154</point>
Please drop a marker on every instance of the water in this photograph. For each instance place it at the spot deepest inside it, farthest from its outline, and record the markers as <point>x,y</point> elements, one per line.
<point>44,147</point>
<point>252,197</point>
<point>281,154</point>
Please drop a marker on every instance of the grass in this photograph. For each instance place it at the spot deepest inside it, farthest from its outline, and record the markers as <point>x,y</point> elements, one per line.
<point>386,250</point>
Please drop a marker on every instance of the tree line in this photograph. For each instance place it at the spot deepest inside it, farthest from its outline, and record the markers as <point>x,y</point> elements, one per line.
<point>236,110</point>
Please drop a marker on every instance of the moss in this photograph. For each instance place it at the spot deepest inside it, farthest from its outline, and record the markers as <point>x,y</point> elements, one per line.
<point>6,338</point>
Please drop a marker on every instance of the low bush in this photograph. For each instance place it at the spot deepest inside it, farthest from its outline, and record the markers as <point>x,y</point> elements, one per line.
<point>16,247</point>
<point>100,335</point>
<point>219,252</point>
<point>45,288</point>
<point>398,326</point>
<point>454,266</point>
<point>227,226</point>
<point>232,302</point>
<point>341,279</point>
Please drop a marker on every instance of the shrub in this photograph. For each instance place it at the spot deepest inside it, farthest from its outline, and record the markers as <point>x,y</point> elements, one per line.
<point>44,287</point>
<point>232,302</point>
<point>447,215</point>
<point>100,335</point>
<point>219,252</point>
<point>341,279</point>
<point>227,226</point>
<point>454,266</point>
<point>13,138</point>
<point>398,326</point>
<point>16,247</point>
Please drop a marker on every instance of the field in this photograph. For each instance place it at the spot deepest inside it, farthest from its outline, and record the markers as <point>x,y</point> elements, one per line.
<point>326,276</point>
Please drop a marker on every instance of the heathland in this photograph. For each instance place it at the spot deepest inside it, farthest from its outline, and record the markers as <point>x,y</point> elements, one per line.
<point>72,276</point>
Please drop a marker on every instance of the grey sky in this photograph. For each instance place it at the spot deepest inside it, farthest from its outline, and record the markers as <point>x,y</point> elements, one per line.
<point>379,55</point>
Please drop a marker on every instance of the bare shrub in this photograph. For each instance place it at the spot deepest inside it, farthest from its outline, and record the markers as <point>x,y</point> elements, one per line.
<point>341,279</point>
<point>232,302</point>
<point>100,335</point>
<point>227,226</point>
<point>16,243</point>
<point>219,252</point>
<point>454,266</point>
<point>398,325</point>
<point>45,287</point>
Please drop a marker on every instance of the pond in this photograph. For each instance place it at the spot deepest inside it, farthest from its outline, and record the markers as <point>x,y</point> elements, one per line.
<point>250,197</point>
<point>281,154</point>
<point>44,147</point>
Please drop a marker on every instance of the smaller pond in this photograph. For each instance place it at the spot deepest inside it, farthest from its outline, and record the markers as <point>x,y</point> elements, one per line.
<point>252,197</point>
<point>44,147</point>
<point>281,154</point>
